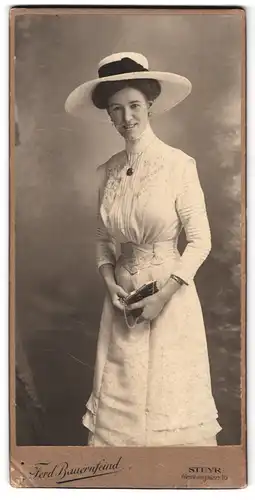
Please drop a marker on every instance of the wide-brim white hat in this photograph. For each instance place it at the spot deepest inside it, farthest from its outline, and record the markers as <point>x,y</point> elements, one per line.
<point>127,66</point>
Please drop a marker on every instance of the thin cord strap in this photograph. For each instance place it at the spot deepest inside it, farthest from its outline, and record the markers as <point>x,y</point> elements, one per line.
<point>126,319</point>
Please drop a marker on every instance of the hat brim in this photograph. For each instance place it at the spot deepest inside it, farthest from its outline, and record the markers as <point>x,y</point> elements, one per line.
<point>174,89</point>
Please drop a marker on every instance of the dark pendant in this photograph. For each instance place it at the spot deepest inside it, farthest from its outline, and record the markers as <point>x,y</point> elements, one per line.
<point>129,171</point>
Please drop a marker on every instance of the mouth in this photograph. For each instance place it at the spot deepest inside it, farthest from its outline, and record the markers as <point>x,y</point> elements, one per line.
<point>130,127</point>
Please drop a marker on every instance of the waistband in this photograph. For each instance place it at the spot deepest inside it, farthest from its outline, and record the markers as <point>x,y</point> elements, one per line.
<point>137,256</point>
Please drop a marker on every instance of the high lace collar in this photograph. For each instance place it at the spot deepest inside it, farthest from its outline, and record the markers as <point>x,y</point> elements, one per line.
<point>140,144</point>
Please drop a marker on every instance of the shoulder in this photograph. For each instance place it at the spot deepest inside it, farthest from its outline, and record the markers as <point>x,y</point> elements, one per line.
<point>186,165</point>
<point>180,156</point>
<point>183,157</point>
<point>107,169</point>
<point>177,161</point>
<point>113,162</point>
<point>174,155</point>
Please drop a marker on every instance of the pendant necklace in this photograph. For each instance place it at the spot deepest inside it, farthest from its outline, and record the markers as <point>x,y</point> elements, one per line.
<point>130,169</point>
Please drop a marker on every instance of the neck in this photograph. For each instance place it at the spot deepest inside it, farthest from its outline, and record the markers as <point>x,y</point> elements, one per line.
<point>140,143</point>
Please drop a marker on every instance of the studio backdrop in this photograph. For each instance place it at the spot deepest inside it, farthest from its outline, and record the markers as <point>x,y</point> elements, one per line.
<point>59,293</point>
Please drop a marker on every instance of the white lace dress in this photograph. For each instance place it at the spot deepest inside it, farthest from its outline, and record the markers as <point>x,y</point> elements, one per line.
<point>152,383</point>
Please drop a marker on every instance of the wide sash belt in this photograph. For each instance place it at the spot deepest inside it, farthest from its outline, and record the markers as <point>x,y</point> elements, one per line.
<point>135,257</point>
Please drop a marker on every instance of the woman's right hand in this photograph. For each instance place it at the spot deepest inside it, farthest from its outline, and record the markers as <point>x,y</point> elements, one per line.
<point>117,293</point>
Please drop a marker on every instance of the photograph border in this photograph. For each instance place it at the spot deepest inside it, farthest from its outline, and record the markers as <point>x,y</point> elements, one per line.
<point>163,467</point>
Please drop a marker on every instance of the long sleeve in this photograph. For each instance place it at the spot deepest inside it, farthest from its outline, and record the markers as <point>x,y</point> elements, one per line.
<point>105,243</point>
<point>191,209</point>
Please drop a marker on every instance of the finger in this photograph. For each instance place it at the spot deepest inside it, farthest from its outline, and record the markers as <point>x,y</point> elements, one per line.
<point>121,292</point>
<point>119,307</point>
<point>146,318</point>
<point>140,319</point>
<point>118,304</point>
<point>118,299</point>
<point>136,305</point>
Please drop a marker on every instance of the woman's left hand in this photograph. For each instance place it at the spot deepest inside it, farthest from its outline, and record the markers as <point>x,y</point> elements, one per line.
<point>152,306</point>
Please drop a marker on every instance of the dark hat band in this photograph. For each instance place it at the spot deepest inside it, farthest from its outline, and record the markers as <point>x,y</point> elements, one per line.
<point>125,65</point>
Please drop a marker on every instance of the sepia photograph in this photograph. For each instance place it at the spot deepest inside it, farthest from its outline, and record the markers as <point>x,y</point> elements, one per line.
<point>128,230</point>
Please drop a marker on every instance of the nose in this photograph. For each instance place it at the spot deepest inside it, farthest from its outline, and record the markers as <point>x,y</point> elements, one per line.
<point>127,114</point>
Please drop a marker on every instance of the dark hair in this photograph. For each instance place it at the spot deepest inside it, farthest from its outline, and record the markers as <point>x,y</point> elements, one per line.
<point>104,90</point>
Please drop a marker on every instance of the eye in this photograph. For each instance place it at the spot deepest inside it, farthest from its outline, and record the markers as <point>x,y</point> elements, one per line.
<point>115,108</point>
<point>135,105</point>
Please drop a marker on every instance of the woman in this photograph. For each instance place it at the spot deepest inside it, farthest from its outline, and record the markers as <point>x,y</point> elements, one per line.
<point>152,380</point>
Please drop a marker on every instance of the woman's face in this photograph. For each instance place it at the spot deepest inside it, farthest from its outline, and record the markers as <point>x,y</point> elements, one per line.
<point>128,110</point>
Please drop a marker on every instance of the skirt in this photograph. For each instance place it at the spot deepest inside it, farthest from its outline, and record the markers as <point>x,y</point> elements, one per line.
<point>152,384</point>
<point>201,435</point>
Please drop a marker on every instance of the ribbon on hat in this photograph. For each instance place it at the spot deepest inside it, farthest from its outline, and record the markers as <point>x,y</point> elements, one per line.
<point>124,65</point>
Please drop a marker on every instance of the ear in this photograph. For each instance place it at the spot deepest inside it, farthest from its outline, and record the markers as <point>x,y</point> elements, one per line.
<point>149,106</point>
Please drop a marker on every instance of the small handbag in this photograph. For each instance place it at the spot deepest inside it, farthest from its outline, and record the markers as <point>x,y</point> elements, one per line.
<point>140,293</point>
